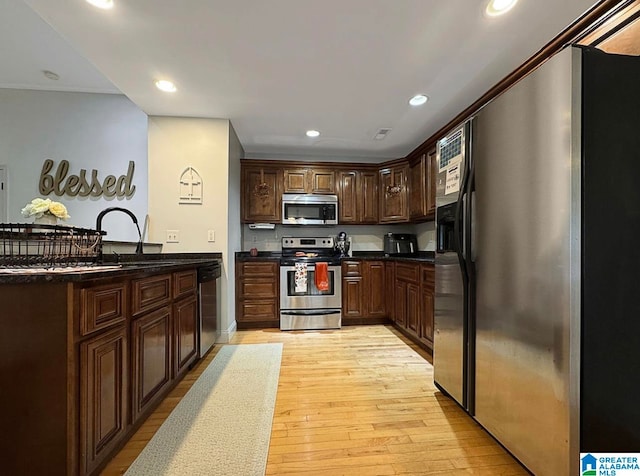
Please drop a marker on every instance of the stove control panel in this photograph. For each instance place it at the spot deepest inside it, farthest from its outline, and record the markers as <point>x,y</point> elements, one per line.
<point>306,242</point>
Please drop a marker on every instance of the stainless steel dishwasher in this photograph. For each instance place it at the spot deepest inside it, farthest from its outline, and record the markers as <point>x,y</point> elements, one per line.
<point>207,307</point>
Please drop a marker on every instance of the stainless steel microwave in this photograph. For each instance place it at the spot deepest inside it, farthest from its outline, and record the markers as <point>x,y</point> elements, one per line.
<point>305,209</point>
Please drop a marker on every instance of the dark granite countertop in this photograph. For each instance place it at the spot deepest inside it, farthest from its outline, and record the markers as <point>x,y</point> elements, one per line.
<point>421,256</point>
<point>262,255</point>
<point>112,266</point>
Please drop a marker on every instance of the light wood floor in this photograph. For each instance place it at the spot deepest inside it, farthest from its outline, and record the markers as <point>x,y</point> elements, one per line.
<point>355,401</point>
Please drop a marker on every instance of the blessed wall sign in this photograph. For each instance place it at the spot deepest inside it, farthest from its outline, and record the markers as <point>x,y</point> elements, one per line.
<point>59,183</point>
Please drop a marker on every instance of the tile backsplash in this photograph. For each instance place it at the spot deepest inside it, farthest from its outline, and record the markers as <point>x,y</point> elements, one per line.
<point>363,237</point>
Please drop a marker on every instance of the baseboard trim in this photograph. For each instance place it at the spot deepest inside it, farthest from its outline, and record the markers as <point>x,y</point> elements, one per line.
<point>226,335</point>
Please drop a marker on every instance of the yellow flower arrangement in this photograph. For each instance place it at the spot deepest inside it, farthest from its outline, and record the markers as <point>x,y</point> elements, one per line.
<point>39,207</point>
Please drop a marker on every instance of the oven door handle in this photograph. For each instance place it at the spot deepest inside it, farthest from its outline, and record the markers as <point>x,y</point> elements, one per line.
<point>321,312</point>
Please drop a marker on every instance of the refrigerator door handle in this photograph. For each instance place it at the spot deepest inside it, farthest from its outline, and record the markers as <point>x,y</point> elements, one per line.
<point>459,229</point>
<point>464,232</point>
<point>472,237</point>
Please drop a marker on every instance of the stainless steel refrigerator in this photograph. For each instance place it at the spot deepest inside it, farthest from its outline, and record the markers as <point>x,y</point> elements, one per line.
<point>537,304</point>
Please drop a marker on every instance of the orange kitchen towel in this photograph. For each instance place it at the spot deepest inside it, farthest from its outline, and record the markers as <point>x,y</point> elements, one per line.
<point>322,277</point>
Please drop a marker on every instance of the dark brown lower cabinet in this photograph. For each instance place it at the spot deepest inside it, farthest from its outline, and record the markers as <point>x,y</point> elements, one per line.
<point>151,359</point>
<point>389,284</point>
<point>185,318</point>
<point>413,308</point>
<point>376,303</point>
<point>427,284</point>
<point>352,297</point>
<point>397,290</point>
<point>103,396</point>
<point>87,361</point>
<point>400,303</point>
<point>257,293</point>
<point>413,300</point>
<point>363,291</point>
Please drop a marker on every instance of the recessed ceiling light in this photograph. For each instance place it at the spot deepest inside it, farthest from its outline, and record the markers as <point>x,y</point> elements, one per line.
<point>51,75</point>
<point>498,7</point>
<point>313,133</point>
<point>166,86</point>
<point>418,100</point>
<point>104,4</point>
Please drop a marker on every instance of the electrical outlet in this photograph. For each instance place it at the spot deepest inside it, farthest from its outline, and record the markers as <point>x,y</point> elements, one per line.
<point>173,236</point>
<point>211,236</point>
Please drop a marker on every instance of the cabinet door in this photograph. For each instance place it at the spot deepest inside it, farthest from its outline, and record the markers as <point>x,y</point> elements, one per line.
<point>103,396</point>
<point>427,286</point>
<point>393,195</point>
<point>433,173</point>
<point>261,195</point>
<point>418,189</point>
<point>426,318</point>
<point>352,297</point>
<point>413,308</point>
<point>368,197</point>
<point>322,181</point>
<point>347,197</point>
<point>185,326</point>
<point>151,358</point>
<point>390,279</point>
<point>295,181</point>
<point>400,306</point>
<point>375,298</point>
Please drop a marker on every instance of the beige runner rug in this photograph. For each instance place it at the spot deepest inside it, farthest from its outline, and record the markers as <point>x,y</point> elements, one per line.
<point>223,424</point>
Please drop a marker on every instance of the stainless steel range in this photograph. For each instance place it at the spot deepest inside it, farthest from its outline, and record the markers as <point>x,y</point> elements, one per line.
<point>310,284</point>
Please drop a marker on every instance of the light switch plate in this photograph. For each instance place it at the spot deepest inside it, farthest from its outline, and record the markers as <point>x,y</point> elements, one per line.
<point>211,236</point>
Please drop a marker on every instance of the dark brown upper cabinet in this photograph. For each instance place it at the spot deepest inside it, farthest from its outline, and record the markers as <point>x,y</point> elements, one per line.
<point>394,194</point>
<point>261,194</point>
<point>358,196</point>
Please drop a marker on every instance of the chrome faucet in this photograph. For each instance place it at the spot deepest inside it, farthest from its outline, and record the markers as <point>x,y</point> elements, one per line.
<point>133,217</point>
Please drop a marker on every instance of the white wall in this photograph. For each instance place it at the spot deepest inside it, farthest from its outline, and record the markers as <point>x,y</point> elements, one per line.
<point>236,152</point>
<point>211,148</point>
<point>91,131</point>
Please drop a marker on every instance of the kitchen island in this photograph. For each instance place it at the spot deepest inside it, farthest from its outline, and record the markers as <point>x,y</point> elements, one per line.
<point>87,355</point>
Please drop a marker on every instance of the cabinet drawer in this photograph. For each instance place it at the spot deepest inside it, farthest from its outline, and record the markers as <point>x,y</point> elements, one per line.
<point>102,307</point>
<point>259,268</point>
<point>352,268</point>
<point>258,288</point>
<point>150,293</point>
<point>258,310</point>
<point>184,283</point>
<point>428,274</point>
<point>408,272</point>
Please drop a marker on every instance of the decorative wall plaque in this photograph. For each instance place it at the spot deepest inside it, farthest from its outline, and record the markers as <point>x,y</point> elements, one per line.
<point>60,184</point>
<point>190,186</point>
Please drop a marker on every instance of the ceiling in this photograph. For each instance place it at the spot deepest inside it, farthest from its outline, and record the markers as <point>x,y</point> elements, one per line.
<point>277,68</point>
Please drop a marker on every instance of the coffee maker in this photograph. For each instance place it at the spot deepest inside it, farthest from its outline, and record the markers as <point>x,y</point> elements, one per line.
<point>343,244</point>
